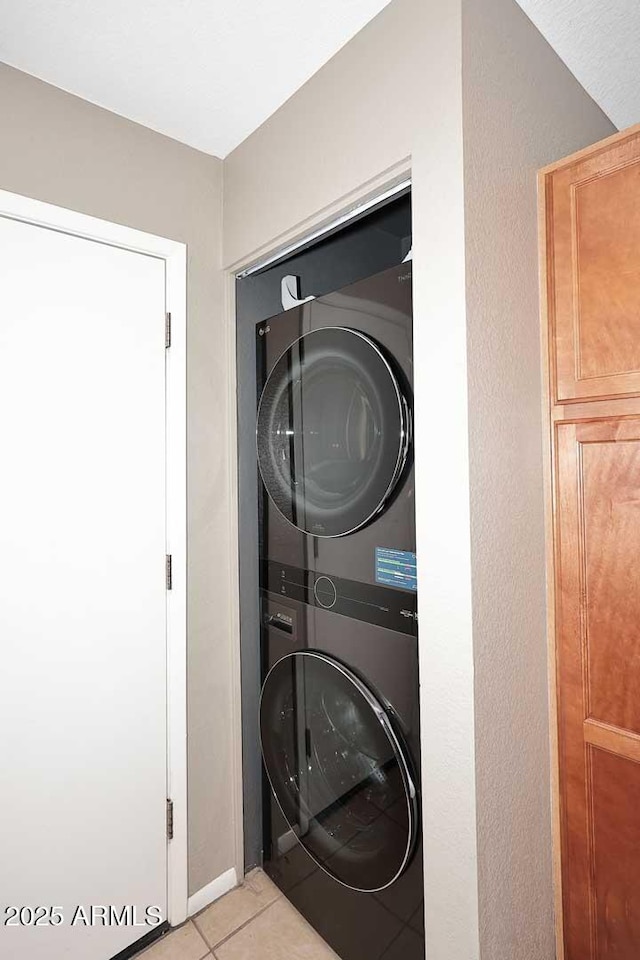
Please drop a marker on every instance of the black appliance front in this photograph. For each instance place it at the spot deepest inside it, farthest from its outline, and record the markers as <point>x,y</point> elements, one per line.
<point>335,381</point>
<point>339,704</point>
<point>339,718</point>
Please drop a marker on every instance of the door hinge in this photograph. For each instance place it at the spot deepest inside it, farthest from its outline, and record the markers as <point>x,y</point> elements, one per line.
<point>167,330</point>
<point>169,572</point>
<point>169,819</point>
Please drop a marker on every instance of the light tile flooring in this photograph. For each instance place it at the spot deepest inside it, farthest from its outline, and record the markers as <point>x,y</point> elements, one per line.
<point>252,922</point>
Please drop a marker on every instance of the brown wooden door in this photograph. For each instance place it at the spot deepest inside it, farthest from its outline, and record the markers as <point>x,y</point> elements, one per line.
<point>593,260</point>
<point>597,579</point>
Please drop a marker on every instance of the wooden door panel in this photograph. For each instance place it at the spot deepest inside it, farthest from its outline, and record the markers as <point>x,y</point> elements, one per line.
<point>615,797</point>
<point>607,230</point>
<point>610,512</point>
<point>598,682</point>
<point>593,227</point>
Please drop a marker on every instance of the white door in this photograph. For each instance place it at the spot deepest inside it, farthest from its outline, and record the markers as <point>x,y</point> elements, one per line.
<point>83,699</point>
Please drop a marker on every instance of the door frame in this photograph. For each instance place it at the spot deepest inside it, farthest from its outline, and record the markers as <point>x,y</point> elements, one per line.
<point>174,254</point>
<point>341,211</point>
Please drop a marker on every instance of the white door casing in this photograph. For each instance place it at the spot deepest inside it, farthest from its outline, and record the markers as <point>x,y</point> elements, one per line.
<point>92,496</point>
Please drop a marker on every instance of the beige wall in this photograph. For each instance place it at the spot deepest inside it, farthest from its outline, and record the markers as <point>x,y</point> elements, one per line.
<point>522,109</point>
<point>60,149</point>
<point>470,92</point>
<point>391,97</point>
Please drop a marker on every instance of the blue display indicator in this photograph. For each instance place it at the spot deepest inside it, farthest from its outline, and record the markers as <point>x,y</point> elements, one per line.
<point>396,568</point>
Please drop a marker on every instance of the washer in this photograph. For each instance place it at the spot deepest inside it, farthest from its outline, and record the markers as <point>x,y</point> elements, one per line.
<point>339,709</point>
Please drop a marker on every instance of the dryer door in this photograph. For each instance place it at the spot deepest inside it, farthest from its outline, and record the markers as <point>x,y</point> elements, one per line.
<point>332,433</point>
<point>338,770</point>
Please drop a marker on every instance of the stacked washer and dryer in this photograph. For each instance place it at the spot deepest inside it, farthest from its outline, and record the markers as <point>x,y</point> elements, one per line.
<point>339,709</point>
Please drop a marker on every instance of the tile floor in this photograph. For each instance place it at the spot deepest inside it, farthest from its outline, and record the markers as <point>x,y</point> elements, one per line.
<point>252,922</point>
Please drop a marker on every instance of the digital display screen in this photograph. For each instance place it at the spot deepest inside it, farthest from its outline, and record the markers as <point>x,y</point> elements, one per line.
<point>396,568</point>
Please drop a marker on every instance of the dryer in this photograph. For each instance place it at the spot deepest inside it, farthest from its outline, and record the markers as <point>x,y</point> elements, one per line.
<point>339,710</point>
<point>334,433</point>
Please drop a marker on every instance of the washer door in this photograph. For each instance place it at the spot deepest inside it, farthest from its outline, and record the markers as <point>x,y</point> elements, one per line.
<point>333,432</point>
<point>338,770</point>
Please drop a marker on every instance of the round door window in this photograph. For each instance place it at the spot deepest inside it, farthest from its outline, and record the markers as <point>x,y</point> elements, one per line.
<point>338,770</point>
<point>332,432</point>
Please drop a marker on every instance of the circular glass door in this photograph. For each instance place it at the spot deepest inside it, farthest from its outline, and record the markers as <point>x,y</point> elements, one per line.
<point>332,432</point>
<point>340,774</point>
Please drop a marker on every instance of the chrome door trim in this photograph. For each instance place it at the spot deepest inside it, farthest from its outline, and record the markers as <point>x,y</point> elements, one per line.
<point>411,793</point>
<point>405,431</point>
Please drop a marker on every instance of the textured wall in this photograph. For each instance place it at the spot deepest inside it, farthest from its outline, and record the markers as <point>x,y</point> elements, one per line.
<point>600,43</point>
<point>63,150</point>
<point>393,93</point>
<point>522,109</point>
<point>476,97</point>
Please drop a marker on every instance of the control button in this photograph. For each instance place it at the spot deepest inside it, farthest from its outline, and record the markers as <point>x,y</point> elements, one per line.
<point>325,592</point>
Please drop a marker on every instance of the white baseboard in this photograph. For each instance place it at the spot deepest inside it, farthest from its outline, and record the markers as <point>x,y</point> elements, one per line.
<point>206,895</point>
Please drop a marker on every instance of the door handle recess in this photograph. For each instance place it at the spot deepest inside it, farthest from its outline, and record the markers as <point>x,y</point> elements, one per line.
<point>271,621</point>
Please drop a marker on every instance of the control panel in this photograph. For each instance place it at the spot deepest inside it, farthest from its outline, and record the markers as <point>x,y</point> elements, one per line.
<point>384,606</point>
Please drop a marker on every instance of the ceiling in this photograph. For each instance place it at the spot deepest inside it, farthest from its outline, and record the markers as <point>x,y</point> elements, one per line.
<point>208,72</point>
